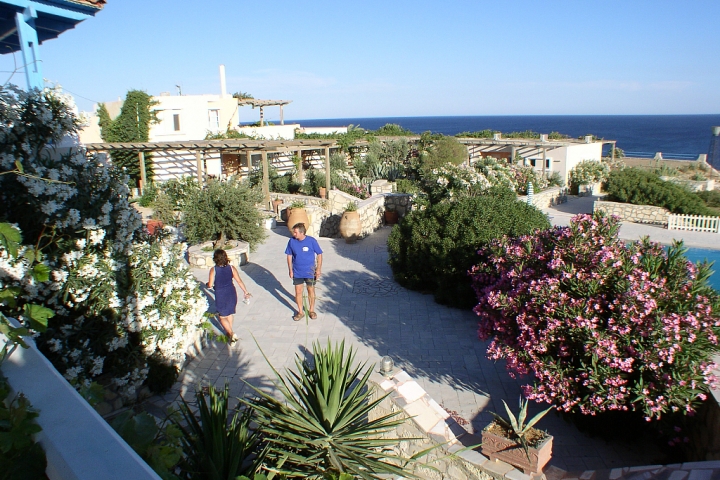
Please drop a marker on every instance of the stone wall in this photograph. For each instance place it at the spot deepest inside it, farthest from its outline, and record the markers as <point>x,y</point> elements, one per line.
<point>325,214</point>
<point>634,213</point>
<point>547,198</point>
<point>428,425</point>
<point>693,185</point>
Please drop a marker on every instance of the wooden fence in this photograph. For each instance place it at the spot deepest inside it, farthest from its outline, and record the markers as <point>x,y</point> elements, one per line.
<point>694,223</point>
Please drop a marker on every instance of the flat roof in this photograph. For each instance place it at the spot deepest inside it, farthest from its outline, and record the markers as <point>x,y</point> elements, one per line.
<point>224,144</point>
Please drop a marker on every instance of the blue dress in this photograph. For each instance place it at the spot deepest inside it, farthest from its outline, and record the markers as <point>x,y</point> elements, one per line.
<point>225,294</point>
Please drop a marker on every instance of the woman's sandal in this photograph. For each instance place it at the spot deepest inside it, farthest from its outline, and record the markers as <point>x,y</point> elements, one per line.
<point>313,315</point>
<point>298,317</point>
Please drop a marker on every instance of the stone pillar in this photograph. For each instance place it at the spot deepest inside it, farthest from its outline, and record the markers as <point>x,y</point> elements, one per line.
<point>327,171</point>
<point>513,152</point>
<point>248,161</point>
<point>544,160</point>
<point>262,117</point>
<point>282,120</point>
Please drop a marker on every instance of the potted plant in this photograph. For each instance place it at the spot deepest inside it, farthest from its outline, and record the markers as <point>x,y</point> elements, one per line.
<point>350,225</point>
<point>296,214</point>
<point>391,216</point>
<point>516,442</point>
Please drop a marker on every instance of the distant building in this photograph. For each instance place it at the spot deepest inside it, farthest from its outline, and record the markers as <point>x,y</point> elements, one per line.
<point>543,154</point>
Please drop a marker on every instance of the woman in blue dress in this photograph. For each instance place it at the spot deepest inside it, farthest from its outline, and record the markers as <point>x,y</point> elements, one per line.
<point>221,278</point>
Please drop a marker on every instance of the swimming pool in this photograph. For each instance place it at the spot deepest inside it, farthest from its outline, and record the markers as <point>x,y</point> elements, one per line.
<point>699,254</point>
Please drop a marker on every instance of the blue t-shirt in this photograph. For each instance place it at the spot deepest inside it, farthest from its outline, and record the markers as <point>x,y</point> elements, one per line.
<point>303,253</point>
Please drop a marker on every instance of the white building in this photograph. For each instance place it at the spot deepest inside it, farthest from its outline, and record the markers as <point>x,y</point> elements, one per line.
<point>545,155</point>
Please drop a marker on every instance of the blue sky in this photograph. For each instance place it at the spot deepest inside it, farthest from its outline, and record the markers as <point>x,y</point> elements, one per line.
<point>401,58</point>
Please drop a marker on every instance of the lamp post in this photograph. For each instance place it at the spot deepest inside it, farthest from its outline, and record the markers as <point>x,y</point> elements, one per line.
<point>386,366</point>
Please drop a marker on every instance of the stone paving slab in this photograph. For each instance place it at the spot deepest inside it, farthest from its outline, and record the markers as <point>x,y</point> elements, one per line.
<point>436,345</point>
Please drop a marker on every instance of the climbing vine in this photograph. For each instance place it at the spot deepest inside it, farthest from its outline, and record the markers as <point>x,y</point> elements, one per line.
<point>132,125</point>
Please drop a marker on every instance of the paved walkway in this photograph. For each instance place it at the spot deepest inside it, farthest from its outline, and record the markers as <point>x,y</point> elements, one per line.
<point>358,301</point>
<point>561,215</point>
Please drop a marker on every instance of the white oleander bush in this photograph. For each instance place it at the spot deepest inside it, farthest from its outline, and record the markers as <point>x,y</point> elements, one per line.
<point>118,296</point>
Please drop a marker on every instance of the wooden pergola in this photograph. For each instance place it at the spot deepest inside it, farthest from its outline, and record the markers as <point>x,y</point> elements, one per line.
<point>232,146</point>
<point>256,103</point>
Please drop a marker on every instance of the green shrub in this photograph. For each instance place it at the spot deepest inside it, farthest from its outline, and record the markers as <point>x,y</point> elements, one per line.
<point>224,210</point>
<point>159,445</point>
<point>710,197</point>
<point>444,150</point>
<point>284,184</point>
<point>21,457</point>
<point>148,196</point>
<point>403,185</point>
<point>179,190</point>
<point>162,375</point>
<point>393,130</point>
<point>640,187</point>
<point>433,249</point>
<point>164,209</point>
<point>215,445</point>
<point>588,172</point>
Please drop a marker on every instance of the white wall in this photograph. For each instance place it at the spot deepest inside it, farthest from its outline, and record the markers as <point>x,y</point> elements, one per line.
<point>79,444</point>
<point>271,132</point>
<point>195,119</point>
<point>323,130</point>
<point>579,152</point>
<point>194,116</point>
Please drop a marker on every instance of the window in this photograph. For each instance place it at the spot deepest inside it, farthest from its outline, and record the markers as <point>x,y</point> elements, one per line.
<point>214,119</point>
<point>176,122</point>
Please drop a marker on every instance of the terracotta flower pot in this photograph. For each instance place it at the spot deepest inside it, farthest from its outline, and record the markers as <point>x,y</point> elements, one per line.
<point>350,226</point>
<point>509,451</point>
<point>391,217</point>
<point>154,226</point>
<point>295,216</point>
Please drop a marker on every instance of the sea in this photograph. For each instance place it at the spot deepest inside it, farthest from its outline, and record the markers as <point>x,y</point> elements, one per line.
<point>681,137</point>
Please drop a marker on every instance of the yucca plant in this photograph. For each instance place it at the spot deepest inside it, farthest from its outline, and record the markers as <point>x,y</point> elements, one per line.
<point>517,426</point>
<point>321,426</point>
<point>215,449</point>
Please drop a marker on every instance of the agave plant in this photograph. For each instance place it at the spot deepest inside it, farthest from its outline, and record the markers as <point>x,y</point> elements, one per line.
<point>517,425</point>
<point>215,449</point>
<point>321,429</point>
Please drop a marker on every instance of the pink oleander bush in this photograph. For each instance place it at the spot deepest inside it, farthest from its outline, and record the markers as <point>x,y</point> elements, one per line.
<point>601,325</point>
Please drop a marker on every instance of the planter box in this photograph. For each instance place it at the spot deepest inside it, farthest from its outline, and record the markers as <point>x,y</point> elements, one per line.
<point>500,448</point>
<point>238,255</point>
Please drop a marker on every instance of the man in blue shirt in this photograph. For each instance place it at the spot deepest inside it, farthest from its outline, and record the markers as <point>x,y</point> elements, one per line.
<point>304,267</point>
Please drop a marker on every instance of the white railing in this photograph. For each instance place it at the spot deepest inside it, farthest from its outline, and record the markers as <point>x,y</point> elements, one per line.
<point>694,223</point>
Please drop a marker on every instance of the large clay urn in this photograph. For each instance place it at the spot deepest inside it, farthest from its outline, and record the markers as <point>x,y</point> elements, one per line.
<point>297,215</point>
<point>350,226</point>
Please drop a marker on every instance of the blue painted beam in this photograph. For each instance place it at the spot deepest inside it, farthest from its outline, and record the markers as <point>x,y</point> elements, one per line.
<point>77,13</point>
<point>29,45</point>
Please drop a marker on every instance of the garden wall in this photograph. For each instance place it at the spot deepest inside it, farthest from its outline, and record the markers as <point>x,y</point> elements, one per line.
<point>547,198</point>
<point>325,214</point>
<point>78,443</point>
<point>633,213</point>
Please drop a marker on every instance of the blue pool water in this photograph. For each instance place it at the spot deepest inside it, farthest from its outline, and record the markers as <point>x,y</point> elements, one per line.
<point>699,254</point>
